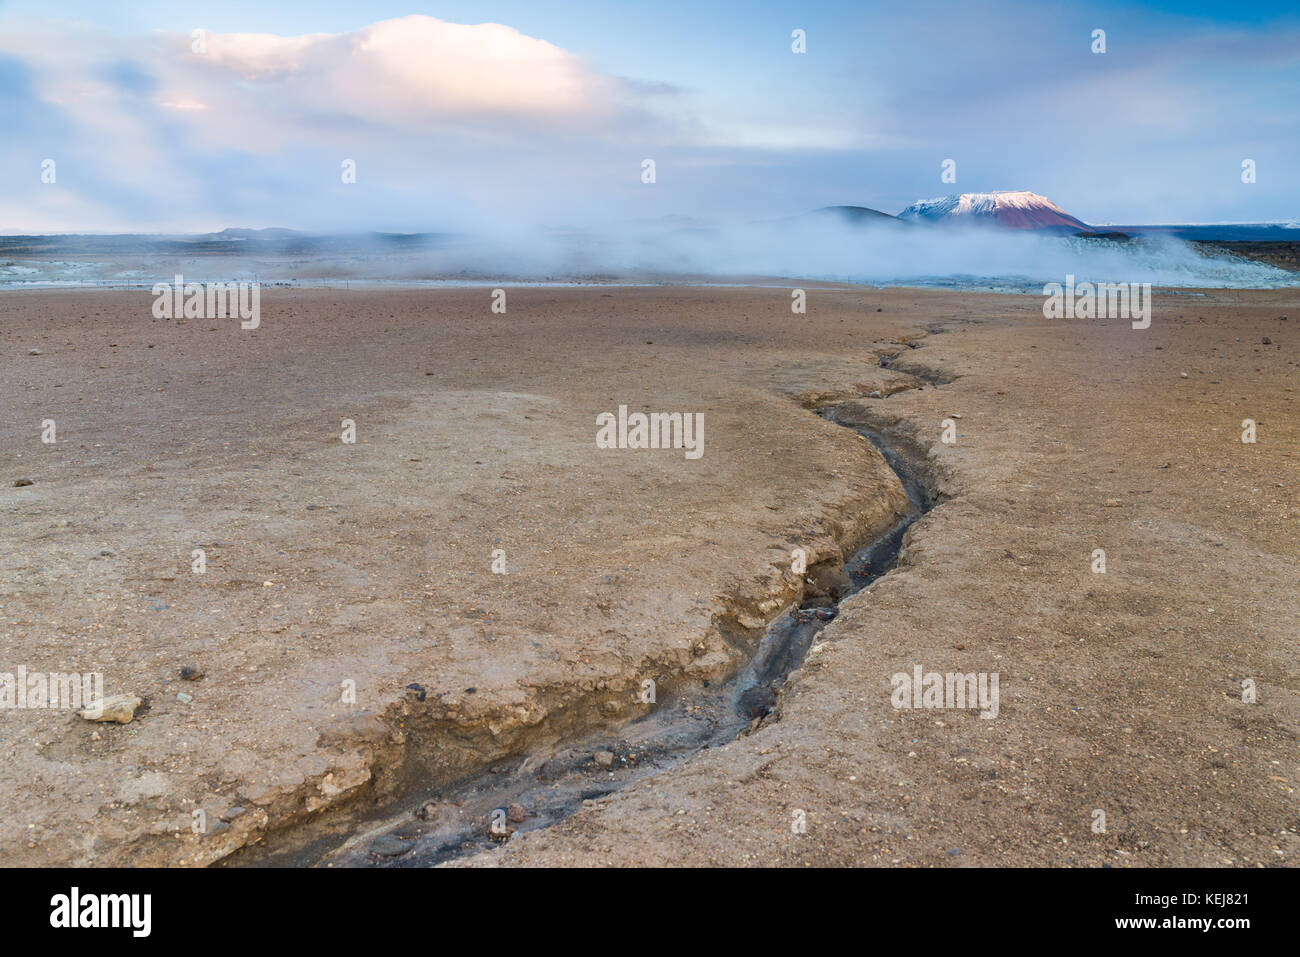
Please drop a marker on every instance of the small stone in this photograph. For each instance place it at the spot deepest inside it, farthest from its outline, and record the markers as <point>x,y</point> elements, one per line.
<point>1112,503</point>
<point>184,698</point>
<point>515,814</point>
<point>552,769</point>
<point>23,482</point>
<point>604,758</point>
<point>386,845</point>
<point>757,702</point>
<point>192,672</point>
<point>33,352</point>
<point>1267,341</point>
<point>118,707</point>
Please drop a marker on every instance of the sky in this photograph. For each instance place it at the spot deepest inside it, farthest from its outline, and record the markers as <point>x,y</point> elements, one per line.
<point>505,115</point>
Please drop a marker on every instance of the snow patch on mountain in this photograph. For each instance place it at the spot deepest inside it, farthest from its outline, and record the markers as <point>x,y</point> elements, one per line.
<point>1014,209</point>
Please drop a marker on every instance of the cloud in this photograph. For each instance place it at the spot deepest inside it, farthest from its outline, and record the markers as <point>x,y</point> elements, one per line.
<point>412,69</point>
<point>443,120</point>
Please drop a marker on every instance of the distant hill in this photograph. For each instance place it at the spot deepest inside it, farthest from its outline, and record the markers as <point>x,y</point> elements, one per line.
<point>856,214</point>
<point>1288,232</point>
<point>271,232</point>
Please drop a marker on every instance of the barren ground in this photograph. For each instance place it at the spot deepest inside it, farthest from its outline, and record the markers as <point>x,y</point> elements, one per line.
<point>371,563</point>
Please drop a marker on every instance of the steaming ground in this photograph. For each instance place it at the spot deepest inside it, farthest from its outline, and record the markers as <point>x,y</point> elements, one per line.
<point>810,248</point>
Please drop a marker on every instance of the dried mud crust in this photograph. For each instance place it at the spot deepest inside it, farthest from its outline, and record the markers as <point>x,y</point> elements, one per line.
<point>371,564</point>
<point>1121,692</point>
<point>431,822</point>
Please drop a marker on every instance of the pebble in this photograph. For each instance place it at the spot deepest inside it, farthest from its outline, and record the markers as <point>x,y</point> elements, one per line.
<point>33,352</point>
<point>552,769</point>
<point>386,845</point>
<point>604,758</point>
<point>516,813</point>
<point>1267,341</point>
<point>23,482</point>
<point>192,672</point>
<point>757,702</point>
<point>118,707</point>
<point>183,698</point>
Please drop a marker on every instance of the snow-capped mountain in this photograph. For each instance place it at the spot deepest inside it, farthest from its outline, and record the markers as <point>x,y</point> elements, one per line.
<point>1013,209</point>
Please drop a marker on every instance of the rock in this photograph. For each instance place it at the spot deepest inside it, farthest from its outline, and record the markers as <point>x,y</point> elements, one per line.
<point>386,845</point>
<point>33,352</point>
<point>192,672</point>
<point>184,698</point>
<point>826,579</point>
<point>604,758</point>
<point>23,482</point>
<point>757,702</point>
<point>515,814</point>
<point>118,707</point>
<point>1182,375</point>
<point>1267,341</point>
<point>552,769</point>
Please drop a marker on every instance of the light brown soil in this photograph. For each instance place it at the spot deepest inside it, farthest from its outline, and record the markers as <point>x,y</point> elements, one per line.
<point>372,563</point>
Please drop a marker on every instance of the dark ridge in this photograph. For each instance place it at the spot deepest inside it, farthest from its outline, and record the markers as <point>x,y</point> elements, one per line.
<point>857,215</point>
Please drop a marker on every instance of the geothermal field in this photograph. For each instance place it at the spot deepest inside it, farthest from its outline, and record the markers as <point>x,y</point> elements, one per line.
<point>385,600</point>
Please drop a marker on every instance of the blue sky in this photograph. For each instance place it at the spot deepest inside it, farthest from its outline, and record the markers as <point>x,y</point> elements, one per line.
<point>548,121</point>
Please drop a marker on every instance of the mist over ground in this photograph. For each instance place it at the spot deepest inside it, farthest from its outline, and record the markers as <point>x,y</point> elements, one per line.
<point>806,248</point>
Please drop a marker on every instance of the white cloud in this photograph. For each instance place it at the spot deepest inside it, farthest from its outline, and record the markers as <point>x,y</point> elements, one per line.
<point>415,68</point>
